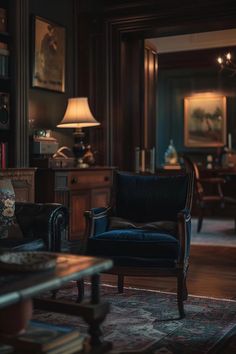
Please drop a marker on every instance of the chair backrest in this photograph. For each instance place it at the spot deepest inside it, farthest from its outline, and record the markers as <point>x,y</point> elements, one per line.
<point>144,198</point>
<point>192,166</point>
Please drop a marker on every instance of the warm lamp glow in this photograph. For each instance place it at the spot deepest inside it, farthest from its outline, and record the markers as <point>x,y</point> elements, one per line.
<point>78,114</point>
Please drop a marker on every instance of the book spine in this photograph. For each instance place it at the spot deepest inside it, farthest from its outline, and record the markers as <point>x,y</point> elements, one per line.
<point>3,156</point>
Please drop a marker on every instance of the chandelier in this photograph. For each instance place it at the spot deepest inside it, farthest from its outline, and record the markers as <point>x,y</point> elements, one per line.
<point>225,62</point>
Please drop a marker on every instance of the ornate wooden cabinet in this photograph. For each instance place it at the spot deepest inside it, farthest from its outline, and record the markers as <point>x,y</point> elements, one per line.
<point>78,189</point>
<point>23,182</point>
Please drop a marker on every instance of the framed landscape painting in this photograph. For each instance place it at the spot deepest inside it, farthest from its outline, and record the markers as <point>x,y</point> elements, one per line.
<point>205,120</point>
<point>48,55</point>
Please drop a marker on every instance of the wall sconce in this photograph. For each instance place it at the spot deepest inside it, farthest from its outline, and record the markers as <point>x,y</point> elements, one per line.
<point>226,63</point>
<point>78,116</point>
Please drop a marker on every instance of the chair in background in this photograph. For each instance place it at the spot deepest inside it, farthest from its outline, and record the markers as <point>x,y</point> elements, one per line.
<point>146,230</point>
<point>208,191</point>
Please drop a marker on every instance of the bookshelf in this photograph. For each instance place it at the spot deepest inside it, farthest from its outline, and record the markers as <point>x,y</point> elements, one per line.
<point>6,130</point>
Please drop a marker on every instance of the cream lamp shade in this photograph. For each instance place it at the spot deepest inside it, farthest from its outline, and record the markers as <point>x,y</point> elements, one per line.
<point>78,114</point>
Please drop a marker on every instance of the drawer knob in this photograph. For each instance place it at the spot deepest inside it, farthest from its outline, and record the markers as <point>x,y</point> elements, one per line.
<point>74,180</point>
<point>106,178</point>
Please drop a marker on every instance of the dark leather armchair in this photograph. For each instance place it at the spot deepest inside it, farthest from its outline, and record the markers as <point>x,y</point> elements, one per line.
<point>147,229</point>
<point>42,226</point>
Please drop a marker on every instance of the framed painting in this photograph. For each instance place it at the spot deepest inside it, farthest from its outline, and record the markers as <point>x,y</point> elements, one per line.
<point>48,55</point>
<point>205,120</point>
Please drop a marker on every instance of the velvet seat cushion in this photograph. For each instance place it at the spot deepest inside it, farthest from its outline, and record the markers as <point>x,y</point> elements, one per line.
<point>134,244</point>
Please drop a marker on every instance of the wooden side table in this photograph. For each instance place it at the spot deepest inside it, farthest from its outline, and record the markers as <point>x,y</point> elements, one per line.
<point>77,189</point>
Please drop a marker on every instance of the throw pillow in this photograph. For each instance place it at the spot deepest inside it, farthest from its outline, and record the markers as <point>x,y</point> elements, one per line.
<point>158,226</point>
<point>8,224</point>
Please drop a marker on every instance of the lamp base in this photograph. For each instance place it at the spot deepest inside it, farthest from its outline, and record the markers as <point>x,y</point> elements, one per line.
<point>81,164</point>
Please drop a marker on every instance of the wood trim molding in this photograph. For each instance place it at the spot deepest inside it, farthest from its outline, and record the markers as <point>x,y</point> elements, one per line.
<point>21,81</point>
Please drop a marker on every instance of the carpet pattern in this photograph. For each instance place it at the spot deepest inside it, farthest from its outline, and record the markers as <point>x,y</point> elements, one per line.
<point>214,232</point>
<point>146,322</point>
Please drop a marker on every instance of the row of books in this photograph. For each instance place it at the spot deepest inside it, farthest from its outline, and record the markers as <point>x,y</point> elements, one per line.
<point>41,337</point>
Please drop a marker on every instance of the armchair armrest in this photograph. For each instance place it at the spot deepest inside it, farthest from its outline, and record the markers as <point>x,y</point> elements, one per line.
<point>96,220</point>
<point>212,180</point>
<point>47,221</point>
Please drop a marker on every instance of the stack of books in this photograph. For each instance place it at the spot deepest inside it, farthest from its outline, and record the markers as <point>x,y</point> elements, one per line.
<point>41,337</point>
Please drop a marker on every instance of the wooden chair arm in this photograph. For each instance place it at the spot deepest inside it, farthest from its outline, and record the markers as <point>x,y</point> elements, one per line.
<point>213,180</point>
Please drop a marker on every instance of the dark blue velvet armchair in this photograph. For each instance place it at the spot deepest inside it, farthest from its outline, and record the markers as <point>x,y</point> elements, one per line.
<point>147,229</point>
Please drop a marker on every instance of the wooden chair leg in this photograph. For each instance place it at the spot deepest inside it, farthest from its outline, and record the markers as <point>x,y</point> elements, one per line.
<point>54,293</point>
<point>181,293</point>
<point>200,219</point>
<point>120,283</point>
<point>80,287</point>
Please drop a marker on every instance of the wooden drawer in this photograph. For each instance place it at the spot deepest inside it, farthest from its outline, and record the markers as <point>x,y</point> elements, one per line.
<point>88,179</point>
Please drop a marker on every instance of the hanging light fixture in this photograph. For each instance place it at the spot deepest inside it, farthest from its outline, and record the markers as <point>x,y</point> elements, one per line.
<point>226,63</point>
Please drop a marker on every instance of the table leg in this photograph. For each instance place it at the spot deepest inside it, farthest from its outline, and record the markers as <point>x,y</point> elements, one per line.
<point>97,346</point>
<point>80,287</point>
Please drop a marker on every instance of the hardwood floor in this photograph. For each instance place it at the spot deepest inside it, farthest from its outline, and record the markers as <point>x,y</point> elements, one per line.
<point>212,273</point>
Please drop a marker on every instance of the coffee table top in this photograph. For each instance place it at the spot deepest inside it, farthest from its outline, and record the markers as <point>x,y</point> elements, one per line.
<point>16,286</point>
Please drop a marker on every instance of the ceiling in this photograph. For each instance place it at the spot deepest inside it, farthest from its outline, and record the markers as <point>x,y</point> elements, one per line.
<point>194,41</point>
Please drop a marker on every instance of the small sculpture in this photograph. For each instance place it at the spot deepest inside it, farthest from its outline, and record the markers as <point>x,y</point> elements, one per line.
<point>88,157</point>
<point>171,156</point>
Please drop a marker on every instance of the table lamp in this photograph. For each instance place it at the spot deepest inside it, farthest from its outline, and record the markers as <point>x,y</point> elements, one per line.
<point>78,116</point>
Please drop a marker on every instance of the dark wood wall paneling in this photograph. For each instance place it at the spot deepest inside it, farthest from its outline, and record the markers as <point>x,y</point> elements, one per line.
<point>91,73</point>
<point>46,108</point>
<point>150,96</point>
<point>127,130</point>
<point>19,73</point>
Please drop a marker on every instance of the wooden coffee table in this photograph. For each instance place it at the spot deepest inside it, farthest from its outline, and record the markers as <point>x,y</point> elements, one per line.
<point>16,287</point>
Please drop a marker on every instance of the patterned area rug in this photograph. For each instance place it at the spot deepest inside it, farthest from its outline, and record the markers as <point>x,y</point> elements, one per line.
<point>219,232</point>
<point>142,321</point>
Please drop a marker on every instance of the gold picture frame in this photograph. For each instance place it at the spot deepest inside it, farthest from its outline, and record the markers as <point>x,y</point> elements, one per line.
<point>205,120</point>
<point>48,70</point>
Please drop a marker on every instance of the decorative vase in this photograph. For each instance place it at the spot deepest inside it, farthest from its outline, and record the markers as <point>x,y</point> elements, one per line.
<point>171,156</point>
